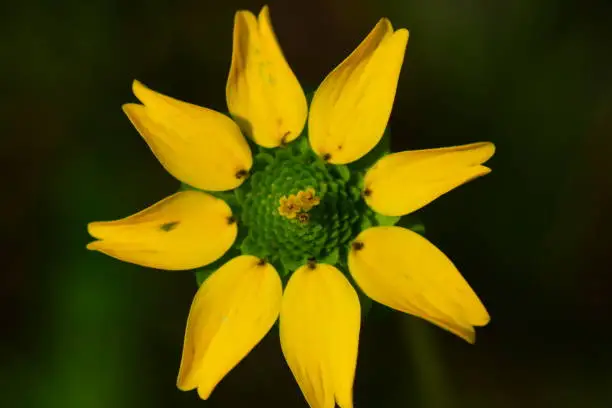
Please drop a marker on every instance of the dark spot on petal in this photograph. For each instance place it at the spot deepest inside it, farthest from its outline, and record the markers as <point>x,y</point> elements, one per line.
<point>169,226</point>
<point>284,139</point>
<point>339,147</point>
<point>262,262</point>
<point>357,245</point>
<point>367,192</point>
<point>303,218</point>
<point>231,219</point>
<point>312,262</point>
<point>240,174</point>
<point>326,156</point>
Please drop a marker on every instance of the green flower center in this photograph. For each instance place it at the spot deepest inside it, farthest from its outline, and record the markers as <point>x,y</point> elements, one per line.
<point>295,207</point>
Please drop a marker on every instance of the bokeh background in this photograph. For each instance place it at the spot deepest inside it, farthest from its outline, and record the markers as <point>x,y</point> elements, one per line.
<point>82,330</point>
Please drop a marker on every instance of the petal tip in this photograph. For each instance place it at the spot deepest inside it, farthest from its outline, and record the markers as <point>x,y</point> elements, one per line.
<point>402,33</point>
<point>93,228</point>
<point>384,21</point>
<point>204,393</point>
<point>185,378</point>
<point>130,108</point>
<point>264,13</point>
<point>137,86</point>
<point>93,246</point>
<point>486,150</point>
<point>242,15</point>
<point>484,319</point>
<point>490,146</point>
<point>142,92</point>
<point>484,170</point>
<point>180,384</point>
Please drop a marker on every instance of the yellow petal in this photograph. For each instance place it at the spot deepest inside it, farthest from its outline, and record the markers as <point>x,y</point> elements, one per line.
<point>198,146</point>
<point>351,108</point>
<point>232,311</point>
<point>403,182</point>
<point>319,331</point>
<point>263,94</point>
<point>400,269</point>
<point>187,230</point>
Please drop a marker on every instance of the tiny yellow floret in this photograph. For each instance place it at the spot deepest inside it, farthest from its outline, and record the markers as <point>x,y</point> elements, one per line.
<point>308,199</point>
<point>289,207</point>
<point>297,205</point>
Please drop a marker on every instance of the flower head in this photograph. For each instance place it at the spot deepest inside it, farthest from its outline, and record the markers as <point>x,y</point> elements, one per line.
<point>286,233</point>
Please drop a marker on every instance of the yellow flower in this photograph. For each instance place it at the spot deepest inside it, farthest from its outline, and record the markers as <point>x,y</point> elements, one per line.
<point>300,213</point>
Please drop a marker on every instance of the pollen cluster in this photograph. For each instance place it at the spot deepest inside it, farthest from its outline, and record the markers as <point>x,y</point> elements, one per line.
<point>296,206</point>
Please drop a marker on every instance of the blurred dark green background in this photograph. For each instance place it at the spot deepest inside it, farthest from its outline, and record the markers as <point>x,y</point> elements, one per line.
<point>83,330</point>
